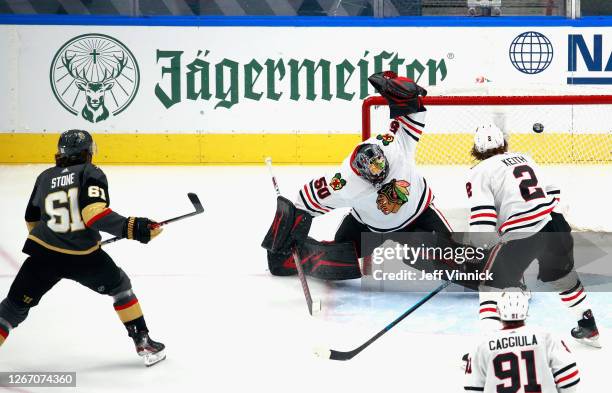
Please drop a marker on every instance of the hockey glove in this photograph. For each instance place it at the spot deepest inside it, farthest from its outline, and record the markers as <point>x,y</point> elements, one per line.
<point>290,226</point>
<point>141,229</point>
<point>403,94</point>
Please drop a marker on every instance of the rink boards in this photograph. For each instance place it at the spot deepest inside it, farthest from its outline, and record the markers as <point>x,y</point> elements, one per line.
<point>246,149</point>
<point>220,94</point>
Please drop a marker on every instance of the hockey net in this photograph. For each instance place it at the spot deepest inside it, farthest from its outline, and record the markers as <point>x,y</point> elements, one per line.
<point>574,150</point>
<point>577,128</point>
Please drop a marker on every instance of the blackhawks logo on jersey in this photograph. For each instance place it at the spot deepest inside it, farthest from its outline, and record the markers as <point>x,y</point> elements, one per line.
<point>385,138</point>
<point>337,182</point>
<point>392,196</point>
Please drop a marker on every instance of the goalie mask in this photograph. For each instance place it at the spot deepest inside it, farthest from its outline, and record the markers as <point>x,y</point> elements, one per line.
<point>370,162</point>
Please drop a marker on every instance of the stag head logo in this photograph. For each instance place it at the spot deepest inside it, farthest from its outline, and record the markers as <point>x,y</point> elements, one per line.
<point>94,76</point>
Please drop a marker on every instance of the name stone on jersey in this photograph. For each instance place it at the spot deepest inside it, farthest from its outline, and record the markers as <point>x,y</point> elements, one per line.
<point>62,181</point>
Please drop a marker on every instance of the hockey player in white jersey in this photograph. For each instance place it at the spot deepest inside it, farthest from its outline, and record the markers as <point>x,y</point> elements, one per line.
<point>520,359</point>
<point>378,180</point>
<point>508,195</point>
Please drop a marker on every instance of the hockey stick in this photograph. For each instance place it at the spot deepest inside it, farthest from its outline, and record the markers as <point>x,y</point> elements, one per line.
<point>340,355</point>
<point>198,210</point>
<point>296,256</point>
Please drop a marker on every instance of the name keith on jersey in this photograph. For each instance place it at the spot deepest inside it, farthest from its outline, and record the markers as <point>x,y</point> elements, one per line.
<point>512,341</point>
<point>514,160</point>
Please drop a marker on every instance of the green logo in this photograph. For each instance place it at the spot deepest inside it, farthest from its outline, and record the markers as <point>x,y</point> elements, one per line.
<point>385,138</point>
<point>94,76</point>
<point>337,182</point>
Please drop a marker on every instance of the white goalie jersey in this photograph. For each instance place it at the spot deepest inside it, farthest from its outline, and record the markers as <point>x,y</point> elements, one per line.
<point>521,360</point>
<point>508,193</point>
<point>399,200</point>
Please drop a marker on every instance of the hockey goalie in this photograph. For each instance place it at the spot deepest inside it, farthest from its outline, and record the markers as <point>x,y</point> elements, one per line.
<point>378,181</point>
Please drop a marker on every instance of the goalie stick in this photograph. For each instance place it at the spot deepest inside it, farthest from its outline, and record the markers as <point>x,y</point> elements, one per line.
<point>198,210</point>
<point>348,355</point>
<point>312,305</point>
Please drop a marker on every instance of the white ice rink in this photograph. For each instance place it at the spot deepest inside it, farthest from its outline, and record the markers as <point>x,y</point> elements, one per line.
<point>229,326</point>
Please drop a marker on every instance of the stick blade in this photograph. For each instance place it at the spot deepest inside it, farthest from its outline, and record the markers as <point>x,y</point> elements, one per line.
<point>339,355</point>
<point>325,353</point>
<point>195,201</point>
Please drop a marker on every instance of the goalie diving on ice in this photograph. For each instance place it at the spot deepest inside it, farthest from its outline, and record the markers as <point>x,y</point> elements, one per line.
<point>380,183</point>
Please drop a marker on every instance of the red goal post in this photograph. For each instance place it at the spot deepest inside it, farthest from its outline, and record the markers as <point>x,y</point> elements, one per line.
<point>578,128</point>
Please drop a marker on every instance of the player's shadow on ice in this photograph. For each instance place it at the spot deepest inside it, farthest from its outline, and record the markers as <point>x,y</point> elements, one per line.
<point>135,364</point>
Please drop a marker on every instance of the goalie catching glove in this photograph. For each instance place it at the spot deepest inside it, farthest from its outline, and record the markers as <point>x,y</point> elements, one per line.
<point>403,94</point>
<point>290,226</point>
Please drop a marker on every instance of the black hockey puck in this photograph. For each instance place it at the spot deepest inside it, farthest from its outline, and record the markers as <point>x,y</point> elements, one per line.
<point>538,127</point>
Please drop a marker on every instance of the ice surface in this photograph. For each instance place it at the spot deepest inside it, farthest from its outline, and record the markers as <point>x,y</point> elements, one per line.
<point>229,326</point>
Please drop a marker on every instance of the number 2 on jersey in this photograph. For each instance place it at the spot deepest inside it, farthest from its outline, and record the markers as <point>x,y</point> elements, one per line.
<point>528,185</point>
<point>64,218</point>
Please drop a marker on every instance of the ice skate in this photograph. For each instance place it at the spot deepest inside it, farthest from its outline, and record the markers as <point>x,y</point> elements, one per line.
<point>151,351</point>
<point>586,332</point>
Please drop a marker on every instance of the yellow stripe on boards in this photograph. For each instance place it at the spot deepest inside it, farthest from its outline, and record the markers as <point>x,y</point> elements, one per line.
<point>188,149</point>
<point>248,149</point>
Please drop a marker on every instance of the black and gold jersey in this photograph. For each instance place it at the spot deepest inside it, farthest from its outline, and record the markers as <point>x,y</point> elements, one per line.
<point>67,209</point>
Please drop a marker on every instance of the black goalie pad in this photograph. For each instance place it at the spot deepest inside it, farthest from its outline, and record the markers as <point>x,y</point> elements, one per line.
<point>323,260</point>
<point>290,225</point>
<point>402,94</point>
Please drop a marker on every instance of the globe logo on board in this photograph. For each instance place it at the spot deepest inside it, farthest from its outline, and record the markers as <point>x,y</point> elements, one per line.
<point>94,76</point>
<point>531,52</point>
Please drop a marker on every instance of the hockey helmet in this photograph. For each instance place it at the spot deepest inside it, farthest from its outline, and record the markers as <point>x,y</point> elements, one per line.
<point>74,145</point>
<point>370,162</point>
<point>488,137</point>
<point>513,305</point>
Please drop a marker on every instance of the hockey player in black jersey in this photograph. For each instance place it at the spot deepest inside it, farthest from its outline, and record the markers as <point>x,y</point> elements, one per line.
<point>68,208</point>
